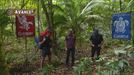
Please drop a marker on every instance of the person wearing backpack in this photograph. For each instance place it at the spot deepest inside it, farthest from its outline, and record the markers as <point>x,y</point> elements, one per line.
<point>70,47</point>
<point>46,44</point>
<point>96,42</point>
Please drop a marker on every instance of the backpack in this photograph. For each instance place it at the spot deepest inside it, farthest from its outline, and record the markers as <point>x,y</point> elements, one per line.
<point>47,42</point>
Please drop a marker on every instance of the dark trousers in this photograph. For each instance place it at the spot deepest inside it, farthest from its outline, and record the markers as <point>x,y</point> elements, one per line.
<point>46,51</point>
<point>72,52</point>
<point>94,50</point>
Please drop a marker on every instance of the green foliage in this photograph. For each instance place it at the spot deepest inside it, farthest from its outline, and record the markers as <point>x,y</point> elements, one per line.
<point>3,68</point>
<point>130,4</point>
<point>3,22</point>
<point>131,54</point>
<point>46,70</point>
<point>4,19</point>
<point>83,67</point>
<point>115,67</point>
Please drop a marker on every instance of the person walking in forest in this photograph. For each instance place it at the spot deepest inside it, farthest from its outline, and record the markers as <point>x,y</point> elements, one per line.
<point>96,43</point>
<point>70,47</point>
<point>45,47</point>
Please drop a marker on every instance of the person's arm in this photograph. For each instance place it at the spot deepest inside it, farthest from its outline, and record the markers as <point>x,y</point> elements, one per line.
<point>101,41</point>
<point>75,41</point>
<point>51,43</point>
<point>65,43</point>
<point>100,44</point>
<point>91,42</point>
<point>74,37</point>
<point>42,41</point>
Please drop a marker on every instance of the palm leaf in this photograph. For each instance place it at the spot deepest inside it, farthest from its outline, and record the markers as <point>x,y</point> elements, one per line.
<point>91,5</point>
<point>130,4</point>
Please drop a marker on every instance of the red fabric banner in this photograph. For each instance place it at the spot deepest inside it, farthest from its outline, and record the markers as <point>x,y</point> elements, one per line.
<point>25,26</point>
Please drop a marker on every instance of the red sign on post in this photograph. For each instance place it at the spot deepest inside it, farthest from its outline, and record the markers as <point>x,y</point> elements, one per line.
<point>25,25</point>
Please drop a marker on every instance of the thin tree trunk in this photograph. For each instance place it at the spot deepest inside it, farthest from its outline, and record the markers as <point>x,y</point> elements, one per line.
<point>46,12</point>
<point>49,17</point>
<point>51,22</point>
<point>38,18</point>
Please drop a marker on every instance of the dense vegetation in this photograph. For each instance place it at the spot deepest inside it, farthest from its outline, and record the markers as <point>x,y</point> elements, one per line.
<point>117,56</point>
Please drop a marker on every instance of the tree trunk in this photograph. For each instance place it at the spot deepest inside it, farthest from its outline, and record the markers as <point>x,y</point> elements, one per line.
<point>49,18</point>
<point>46,12</point>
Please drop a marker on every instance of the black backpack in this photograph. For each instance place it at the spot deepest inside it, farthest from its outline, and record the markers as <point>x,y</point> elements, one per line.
<point>46,43</point>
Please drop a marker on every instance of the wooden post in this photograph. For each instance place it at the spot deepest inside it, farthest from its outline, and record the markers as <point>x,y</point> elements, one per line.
<point>26,55</point>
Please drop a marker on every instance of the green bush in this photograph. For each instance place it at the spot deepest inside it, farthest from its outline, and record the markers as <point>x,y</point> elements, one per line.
<point>47,69</point>
<point>83,67</point>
